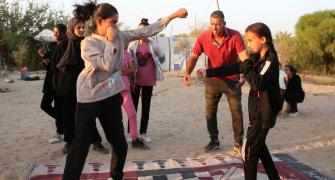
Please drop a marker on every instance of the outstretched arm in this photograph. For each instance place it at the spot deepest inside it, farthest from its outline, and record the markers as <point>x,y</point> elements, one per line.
<point>154,28</point>
<point>222,71</point>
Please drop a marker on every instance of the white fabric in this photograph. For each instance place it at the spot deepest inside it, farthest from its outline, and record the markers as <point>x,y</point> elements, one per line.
<point>45,35</point>
<point>265,67</point>
<point>282,79</point>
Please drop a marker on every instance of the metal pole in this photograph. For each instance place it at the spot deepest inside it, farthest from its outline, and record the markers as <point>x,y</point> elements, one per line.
<point>217,3</point>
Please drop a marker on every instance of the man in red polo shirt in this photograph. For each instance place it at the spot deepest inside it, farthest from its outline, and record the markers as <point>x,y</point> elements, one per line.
<point>222,46</point>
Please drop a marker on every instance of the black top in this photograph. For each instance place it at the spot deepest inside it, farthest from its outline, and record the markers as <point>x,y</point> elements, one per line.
<point>67,78</point>
<point>263,77</point>
<point>294,91</point>
<point>47,85</point>
<point>294,84</point>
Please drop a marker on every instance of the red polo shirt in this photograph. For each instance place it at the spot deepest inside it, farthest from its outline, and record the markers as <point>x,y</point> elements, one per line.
<point>220,55</point>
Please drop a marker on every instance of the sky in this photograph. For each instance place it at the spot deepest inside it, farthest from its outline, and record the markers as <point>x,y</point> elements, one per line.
<point>278,15</point>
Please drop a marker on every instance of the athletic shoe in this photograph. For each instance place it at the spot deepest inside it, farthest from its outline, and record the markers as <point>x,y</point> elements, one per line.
<point>66,148</point>
<point>98,147</point>
<point>145,138</point>
<point>137,143</point>
<point>212,146</point>
<point>237,148</point>
<point>56,139</point>
<point>295,114</point>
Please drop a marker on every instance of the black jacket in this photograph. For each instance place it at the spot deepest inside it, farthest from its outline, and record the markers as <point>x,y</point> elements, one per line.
<point>265,100</point>
<point>67,79</point>
<point>47,85</point>
<point>294,89</point>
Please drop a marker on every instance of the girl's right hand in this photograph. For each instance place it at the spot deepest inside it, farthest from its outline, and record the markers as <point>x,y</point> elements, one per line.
<point>111,33</point>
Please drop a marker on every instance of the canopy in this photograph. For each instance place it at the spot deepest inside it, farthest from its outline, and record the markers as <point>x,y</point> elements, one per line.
<point>45,35</point>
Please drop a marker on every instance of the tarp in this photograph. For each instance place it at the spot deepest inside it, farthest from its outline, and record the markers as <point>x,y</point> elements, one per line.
<point>45,35</point>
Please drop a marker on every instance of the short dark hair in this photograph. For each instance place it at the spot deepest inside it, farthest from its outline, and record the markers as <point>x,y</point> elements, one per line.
<point>144,22</point>
<point>61,27</point>
<point>218,14</point>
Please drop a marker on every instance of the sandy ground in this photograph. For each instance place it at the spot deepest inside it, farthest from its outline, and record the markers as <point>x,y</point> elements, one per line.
<point>177,126</point>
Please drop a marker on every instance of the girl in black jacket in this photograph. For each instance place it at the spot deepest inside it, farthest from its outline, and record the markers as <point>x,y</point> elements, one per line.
<point>261,71</point>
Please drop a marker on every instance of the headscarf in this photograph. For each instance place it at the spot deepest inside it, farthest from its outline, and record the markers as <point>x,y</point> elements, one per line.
<point>70,56</point>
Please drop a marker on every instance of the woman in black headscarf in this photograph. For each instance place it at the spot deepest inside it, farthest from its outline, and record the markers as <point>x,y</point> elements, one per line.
<point>69,68</point>
<point>294,93</point>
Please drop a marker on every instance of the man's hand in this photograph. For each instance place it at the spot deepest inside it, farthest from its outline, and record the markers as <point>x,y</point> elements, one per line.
<point>187,80</point>
<point>41,52</point>
<point>45,62</point>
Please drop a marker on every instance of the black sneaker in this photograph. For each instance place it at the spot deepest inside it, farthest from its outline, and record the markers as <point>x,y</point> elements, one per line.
<point>66,148</point>
<point>212,146</point>
<point>97,146</point>
<point>137,143</point>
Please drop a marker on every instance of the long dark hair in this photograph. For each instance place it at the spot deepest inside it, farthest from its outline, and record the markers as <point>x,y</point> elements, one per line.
<point>91,10</point>
<point>262,30</point>
<point>291,68</point>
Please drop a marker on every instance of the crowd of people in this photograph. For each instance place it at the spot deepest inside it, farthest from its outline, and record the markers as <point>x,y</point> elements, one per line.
<point>92,77</point>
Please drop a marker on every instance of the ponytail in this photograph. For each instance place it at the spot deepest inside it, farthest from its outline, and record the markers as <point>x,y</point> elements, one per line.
<point>92,11</point>
<point>272,47</point>
<point>84,12</point>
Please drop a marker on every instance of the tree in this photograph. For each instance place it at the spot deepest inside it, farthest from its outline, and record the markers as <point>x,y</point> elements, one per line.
<point>197,30</point>
<point>285,46</point>
<point>20,25</point>
<point>316,34</point>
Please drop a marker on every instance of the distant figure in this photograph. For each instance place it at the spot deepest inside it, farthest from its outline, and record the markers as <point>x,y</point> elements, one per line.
<point>282,86</point>
<point>27,76</point>
<point>148,57</point>
<point>294,93</point>
<point>282,75</point>
<point>49,91</point>
<point>128,70</point>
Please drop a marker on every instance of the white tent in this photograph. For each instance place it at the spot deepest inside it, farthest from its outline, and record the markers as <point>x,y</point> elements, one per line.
<point>174,60</point>
<point>45,35</point>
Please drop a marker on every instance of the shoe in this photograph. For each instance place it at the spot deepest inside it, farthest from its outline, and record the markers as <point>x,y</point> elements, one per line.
<point>238,147</point>
<point>295,114</point>
<point>145,138</point>
<point>128,139</point>
<point>97,146</point>
<point>212,146</point>
<point>56,139</point>
<point>66,148</point>
<point>137,143</point>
